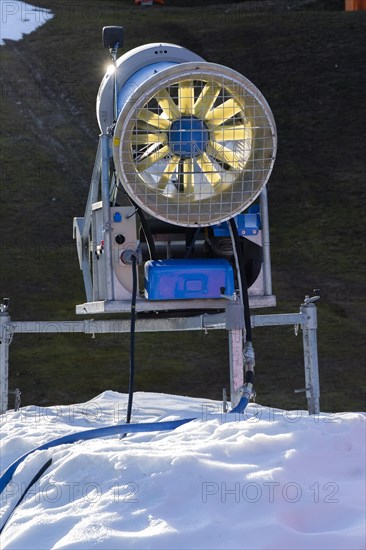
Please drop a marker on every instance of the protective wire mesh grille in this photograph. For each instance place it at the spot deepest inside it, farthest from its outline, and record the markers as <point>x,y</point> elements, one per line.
<point>196,147</point>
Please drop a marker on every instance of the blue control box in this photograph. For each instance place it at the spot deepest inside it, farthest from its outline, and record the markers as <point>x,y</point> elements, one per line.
<point>248,224</point>
<point>188,279</point>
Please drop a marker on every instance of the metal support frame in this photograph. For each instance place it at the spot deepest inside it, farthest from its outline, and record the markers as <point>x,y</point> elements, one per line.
<point>267,274</point>
<point>306,318</point>
<point>82,226</point>
<point>234,324</point>
<point>5,340</point>
<point>105,181</point>
<point>310,344</point>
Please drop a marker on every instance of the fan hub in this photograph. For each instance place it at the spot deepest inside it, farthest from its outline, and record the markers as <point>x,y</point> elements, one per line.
<point>188,137</point>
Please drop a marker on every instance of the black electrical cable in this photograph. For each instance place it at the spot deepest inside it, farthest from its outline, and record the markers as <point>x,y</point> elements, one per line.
<point>147,232</point>
<point>243,279</point>
<point>191,246</point>
<point>132,339</point>
<point>148,235</point>
<point>30,484</point>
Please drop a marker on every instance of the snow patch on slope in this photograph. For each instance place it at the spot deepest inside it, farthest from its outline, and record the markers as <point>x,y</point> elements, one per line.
<point>265,479</point>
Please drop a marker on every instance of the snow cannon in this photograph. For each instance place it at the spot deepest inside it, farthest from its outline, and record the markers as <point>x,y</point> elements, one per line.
<point>175,231</point>
<point>186,147</point>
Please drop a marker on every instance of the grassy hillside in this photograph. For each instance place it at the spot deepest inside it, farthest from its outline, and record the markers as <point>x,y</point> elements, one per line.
<point>309,64</point>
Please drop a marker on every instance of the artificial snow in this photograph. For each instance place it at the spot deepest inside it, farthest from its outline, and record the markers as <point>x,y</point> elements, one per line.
<point>19,18</point>
<point>266,479</point>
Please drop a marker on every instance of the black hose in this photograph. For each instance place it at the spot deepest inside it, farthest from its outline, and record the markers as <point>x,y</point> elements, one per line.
<point>243,279</point>
<point>132,339</point>
<point>193,242</point>
<point>30,484</point>
<point>147,232</point>
<point>148,235</point>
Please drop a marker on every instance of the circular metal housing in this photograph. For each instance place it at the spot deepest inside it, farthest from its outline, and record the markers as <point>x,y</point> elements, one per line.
<point>194,144</point>
<point>143,57</point>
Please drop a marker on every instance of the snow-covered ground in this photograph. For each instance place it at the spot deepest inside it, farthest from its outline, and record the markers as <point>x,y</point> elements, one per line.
<point>18,18</point>
<point>268,479</point>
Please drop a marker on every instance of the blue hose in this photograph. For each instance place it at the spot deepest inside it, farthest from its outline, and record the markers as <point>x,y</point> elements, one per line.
<point>108,431</point>
<point>241,406</point>
<point>92,434</point>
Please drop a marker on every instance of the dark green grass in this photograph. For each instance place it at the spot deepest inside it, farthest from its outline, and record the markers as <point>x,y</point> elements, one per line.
<point>310,66</point>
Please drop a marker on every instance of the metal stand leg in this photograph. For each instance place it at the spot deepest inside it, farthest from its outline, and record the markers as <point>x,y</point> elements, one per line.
<point>309,331</point>
<point>5,339</point>
<point>235,326</point>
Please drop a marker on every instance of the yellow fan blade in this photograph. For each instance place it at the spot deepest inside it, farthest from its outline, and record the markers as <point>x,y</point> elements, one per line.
<point>158,121</point>
<point>208,168</point>
<point>152,158</point>
<point>147,139</point>
<point>223,112</point>
<point>186,97</point>
<point>166,102</point>
<point>224,154</point>
<point>144,127</point>
<point>188,175</point>
<point>168,172</point>
<point>206,100</point>
<point>232,133</point>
